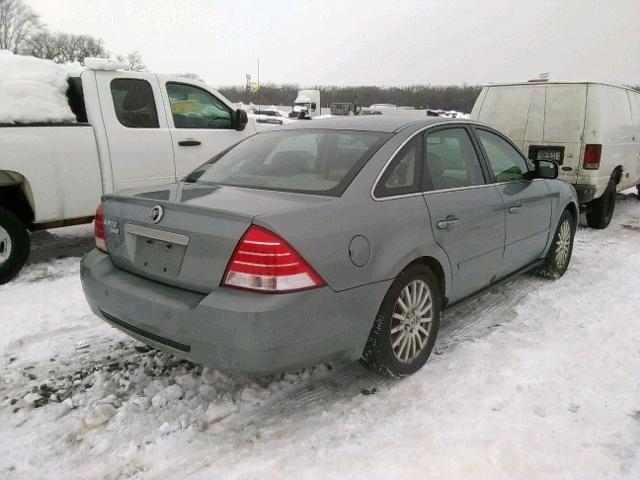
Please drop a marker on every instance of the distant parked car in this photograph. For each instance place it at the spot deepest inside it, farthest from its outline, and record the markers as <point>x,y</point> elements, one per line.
<point>591,130</point>
<point>343,240</point>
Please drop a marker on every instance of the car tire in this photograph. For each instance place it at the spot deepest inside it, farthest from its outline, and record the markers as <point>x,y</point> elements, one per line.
<point>559,255</point>
<point>14,245</point>
<point>406,326</point>
<point>600,210</point>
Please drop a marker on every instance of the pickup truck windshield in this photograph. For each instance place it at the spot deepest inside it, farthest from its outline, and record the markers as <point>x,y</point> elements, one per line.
<point>321,162</point>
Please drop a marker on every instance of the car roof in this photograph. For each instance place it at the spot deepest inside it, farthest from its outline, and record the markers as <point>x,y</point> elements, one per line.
<point>374,123</point>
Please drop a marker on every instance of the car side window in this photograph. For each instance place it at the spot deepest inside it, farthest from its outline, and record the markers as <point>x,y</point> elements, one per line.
<point>451,160</point>
<point>193,107</point>
<point>505,161</point>
<point>134,103</point>
<point>402,175</point>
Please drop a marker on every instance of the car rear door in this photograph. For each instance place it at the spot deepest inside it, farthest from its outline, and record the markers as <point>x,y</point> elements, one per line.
<point>527,202</point>
<point>467,213</point>
<point>200,122</point>
<point>138,138</point>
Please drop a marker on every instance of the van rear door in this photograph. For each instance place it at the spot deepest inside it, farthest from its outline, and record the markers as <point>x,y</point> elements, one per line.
<point>562,128</point>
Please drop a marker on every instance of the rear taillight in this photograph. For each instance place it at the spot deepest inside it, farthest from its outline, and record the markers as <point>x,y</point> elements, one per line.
<point>101,244</point>
<point>264,262</point>
<point>592,155</point>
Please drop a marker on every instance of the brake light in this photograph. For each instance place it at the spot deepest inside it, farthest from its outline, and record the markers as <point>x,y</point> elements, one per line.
<point>592,155</point>
<point>264,262</point>
<point>101,244</point>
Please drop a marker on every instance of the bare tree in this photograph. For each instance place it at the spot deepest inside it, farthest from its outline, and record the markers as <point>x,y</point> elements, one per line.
<point>64,47</point>
<point>17,22</point>
<point>133,62</point>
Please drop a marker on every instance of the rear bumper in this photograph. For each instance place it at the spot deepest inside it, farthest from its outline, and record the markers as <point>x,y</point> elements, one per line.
<point>586,193</point>
<point>234,330</point>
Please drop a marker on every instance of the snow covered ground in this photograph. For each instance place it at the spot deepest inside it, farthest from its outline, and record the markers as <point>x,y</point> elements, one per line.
<point>535,379</point>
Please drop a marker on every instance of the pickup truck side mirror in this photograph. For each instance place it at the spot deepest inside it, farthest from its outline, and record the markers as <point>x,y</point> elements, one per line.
<point>546,169</point>
<point>240,119</point>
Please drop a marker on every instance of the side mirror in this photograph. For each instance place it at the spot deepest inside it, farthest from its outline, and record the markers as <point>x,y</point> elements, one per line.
<point>546,169</point>
<point>240,119</point>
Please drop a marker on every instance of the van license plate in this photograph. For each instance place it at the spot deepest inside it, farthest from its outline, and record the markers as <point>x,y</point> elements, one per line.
<point>552,154</point>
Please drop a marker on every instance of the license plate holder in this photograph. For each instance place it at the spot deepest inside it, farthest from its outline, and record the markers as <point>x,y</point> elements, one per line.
<point>159,257</point>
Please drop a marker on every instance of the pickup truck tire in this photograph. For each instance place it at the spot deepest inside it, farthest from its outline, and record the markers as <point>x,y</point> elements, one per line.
<point>600,210</point>
<point>14,245</point>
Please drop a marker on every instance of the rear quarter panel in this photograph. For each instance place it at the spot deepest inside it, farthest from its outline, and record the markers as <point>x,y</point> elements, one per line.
<point>608,122</point>
<point>398,231</point>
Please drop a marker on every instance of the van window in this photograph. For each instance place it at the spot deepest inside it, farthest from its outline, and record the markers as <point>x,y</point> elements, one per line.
<point>193,107</point>
<point>505,161</point>
<point>564,112</point>
<point>134,103</point>
<point>451,161</point>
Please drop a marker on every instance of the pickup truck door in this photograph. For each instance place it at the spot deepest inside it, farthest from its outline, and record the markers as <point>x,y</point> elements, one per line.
<point>138,137</point>
<point>527,202</point>
<point>200,120</point>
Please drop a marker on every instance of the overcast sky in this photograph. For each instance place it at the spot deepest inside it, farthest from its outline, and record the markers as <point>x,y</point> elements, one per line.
<point>371,42</point>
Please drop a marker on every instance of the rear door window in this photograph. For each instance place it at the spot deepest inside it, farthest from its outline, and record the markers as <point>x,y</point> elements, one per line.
<point>451,160</point>
<point>134,103</point>
<point>507,163</point>
<point>193,107</point>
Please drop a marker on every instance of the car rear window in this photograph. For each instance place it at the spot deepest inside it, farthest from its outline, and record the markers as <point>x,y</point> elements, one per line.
<point>320,162</point>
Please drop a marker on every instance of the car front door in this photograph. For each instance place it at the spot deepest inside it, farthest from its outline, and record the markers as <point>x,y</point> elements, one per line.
<point>467,213</point>
<point>201,124</point>
<point>527,202</point>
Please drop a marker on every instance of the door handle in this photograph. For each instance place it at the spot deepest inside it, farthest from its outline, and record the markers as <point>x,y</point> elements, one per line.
<point>447,222</point>
<point>515,209</point>
<point>189,143</point>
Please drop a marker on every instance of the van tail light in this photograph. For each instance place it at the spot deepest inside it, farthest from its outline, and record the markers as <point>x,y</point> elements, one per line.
<point>592,155</point>
<point>101,244</point>
<point>264,262</point>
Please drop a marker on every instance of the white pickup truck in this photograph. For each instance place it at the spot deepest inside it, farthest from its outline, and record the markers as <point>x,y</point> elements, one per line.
<point>133,130</point>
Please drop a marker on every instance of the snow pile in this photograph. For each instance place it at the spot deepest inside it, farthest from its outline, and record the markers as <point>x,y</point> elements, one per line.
<point>32,90</point>
<point>108,64</point>
<point>534,379</point>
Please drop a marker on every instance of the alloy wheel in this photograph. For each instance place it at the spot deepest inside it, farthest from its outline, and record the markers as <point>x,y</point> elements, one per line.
<point>563,244</point>
<point>411,321</point>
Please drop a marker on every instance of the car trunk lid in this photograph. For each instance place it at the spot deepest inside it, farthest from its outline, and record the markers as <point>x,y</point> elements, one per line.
<point>185,234</point>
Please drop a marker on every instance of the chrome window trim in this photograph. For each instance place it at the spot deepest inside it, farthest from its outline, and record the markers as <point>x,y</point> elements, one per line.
<point>397,150</point>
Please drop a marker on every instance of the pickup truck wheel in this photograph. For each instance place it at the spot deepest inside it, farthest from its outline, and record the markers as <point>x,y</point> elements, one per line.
<point>559,255</point>
<point>600,210</point>
<point>14,245</point>
<point>405,329</point>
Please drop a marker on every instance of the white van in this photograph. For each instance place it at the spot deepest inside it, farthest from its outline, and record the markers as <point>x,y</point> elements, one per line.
<point>592,130</point>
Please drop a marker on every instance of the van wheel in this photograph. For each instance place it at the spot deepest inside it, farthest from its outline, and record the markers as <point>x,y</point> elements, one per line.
<point>559,255</point>
<point>14,245</point>
<point>406,326</point>
<point>600,210</point>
